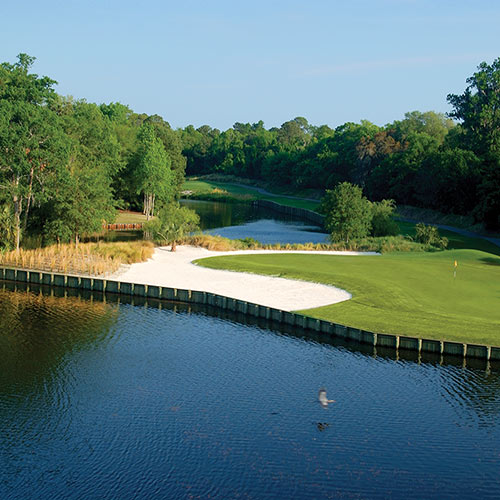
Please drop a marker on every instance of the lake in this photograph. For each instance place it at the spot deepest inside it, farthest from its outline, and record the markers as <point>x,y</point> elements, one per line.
<point>108,400</point>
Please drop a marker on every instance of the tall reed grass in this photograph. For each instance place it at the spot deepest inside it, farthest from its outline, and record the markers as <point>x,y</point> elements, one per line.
<point>93,259</point>
<point>380,244</point>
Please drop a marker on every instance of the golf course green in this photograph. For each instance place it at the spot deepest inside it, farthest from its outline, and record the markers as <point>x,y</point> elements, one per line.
<point>414,294</point>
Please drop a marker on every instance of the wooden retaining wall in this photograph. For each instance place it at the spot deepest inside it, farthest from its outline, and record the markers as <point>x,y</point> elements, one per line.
<point>299,213</point>
<point>397,342</point>
<point>123,227</point>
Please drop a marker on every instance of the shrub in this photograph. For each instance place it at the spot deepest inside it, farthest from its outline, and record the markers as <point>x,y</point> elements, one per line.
<point>429,235</point>
<point>383,223</point>
<point>347,212</point>
<point>173,224</point>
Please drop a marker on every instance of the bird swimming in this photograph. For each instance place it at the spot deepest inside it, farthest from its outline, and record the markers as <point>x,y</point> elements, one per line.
<point>323,400</point>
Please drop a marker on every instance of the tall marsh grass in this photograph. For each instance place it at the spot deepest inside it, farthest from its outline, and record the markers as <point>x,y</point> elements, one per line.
<point>380,244</point>
<point>93,259</point>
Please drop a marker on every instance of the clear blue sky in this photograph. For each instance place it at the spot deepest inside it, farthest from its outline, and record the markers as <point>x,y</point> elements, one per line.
<point>217,62</point>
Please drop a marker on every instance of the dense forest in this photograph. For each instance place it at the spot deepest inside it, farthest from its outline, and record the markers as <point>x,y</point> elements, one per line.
<point>66,164</point>
<point>451,164</point>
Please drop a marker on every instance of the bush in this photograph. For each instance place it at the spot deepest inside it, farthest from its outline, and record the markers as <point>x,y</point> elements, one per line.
<point>383,223</point>
<point>173,224</point>
<point>429,235</point>
<point>347,212</point>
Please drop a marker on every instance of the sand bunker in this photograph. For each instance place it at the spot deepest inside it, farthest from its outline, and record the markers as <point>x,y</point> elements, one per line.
<point>176,270</point>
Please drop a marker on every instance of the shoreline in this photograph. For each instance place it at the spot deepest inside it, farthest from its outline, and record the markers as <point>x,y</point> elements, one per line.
<point>177,270</point>
<point>63,285</point>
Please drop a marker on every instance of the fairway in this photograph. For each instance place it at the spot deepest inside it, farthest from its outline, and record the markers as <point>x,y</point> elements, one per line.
<point>201,187</point>
<point>400,293</point>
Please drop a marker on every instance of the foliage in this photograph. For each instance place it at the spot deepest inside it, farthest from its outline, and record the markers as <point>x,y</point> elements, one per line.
<point>32,145</point>
<point>82,198</point>
<point>6,227</point>
<point>152,173</point>
<point>65,164</point>
<point>382,222</point>
<point>172,224</point>
<point>478,110</point>
<point>429,235</point>
<point>348,213</point>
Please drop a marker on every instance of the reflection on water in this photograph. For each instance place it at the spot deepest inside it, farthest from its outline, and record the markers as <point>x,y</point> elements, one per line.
<point>244,220</point>
<point>38,331</point>
<point>238,221</point>
<point>107,400</point>
<point>271,231</point>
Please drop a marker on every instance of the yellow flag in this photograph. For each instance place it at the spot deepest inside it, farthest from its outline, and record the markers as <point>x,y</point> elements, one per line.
<point>456,264</point>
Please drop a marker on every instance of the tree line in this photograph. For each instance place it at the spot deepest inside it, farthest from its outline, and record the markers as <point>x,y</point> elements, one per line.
<point>427,159</point>
<point>66,165</point>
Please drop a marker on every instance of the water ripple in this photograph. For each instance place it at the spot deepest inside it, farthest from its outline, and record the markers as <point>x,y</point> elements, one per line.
<point>106,401</point>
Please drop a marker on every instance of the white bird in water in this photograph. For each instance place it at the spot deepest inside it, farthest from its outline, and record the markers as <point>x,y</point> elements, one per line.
<point>323,401</point>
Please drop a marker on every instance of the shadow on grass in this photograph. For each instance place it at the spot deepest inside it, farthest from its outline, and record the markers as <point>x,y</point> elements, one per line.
<point>491,261</point>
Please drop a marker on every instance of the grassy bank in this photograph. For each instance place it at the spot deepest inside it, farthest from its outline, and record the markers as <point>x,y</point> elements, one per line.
<point>430,216</point>
<point>129,217</point>
<point>87,258</point>
<point>277,189</point>
<point>455,241</point>
<point>401,293</point>
<point>223,191</point>
<point>381,244</point>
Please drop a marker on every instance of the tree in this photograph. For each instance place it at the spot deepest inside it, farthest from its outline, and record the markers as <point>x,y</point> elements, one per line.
<point>348,212</point>
<point>80,204</point>
<point>478,110</point>
<point>383,223</point>
<point>173,146</point>
<point>152,172</point>
<point>32,143</point>
<point>6,227</point>
<point>436,125</point>
<point>396,176</point>
<point>172,224</point>
<point>81,195</point>
<point>447,181</point>
<point>371,151</point>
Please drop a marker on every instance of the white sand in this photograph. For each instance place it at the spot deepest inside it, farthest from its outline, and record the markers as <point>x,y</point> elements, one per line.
<point>175,270</point>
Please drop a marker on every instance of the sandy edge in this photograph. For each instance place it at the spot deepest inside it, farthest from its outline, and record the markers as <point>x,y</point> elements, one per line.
<point>176,270</point>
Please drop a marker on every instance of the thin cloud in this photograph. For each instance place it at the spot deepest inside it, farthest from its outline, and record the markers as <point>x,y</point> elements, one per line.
<point>365,66</point>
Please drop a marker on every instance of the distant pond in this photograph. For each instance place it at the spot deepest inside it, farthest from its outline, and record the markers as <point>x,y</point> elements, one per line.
<point>242,220</point>
<point>108,400</point>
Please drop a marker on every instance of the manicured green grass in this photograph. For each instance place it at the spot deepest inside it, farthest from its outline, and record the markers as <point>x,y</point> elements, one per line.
<point>411,294</point>
<point>455,241</point>
<point>125,217</point>
<point>201,188</point>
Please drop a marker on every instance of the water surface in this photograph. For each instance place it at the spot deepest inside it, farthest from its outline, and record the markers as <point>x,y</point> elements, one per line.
<point>107,400</point>
<point>246,220</point>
